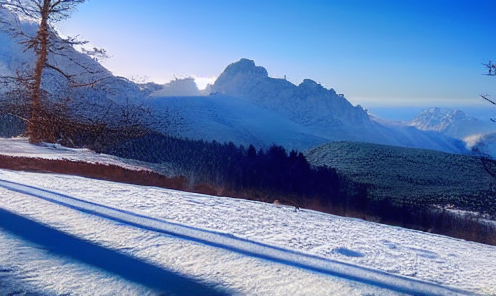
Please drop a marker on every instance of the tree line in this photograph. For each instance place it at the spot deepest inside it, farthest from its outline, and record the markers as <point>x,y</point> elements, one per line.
<point>269,174</point>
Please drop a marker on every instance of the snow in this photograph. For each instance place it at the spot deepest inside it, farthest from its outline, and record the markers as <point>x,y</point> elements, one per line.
<point>251,226</point>
<point>241,275</point>
<point>259,248</point>
<point>228,119</point>
<point>20,147</point>
<point>451,122</point>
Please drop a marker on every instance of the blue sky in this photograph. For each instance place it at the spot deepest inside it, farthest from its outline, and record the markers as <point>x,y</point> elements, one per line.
<point>378,53</point>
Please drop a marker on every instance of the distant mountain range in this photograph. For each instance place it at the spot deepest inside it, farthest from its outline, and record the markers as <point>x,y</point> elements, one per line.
<point>451,122</point>
<point>244,106</point>
<point>479,136</point>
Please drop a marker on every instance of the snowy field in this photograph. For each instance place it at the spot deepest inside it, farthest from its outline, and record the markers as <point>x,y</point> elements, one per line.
<point>35,269</point>
<point>215,245</point>
<point>313,240</point>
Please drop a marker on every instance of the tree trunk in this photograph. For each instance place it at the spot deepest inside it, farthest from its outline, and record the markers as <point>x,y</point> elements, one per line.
<point>36,125</point>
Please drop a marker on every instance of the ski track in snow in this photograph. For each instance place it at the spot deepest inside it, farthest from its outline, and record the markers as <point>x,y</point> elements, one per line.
<point>239,245</point>
<point>241,225</point>
<point>52,275</point>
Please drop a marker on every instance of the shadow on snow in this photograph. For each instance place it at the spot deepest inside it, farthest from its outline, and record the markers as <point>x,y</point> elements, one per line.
<point>127,267</point>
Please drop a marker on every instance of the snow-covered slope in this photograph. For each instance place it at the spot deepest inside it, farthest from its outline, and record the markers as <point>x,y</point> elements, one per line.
<point>451,122</point>
<point>247,106</point>
<point>229,119</point>
<point>244,247</point>
<point>232,245</point>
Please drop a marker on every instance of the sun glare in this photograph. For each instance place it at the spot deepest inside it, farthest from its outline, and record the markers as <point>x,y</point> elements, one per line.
<point>202,82</point>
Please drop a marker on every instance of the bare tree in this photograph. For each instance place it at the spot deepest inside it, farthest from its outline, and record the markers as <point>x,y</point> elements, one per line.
<point>95,123</point>
<point>491,68</point>
<point>43,43</point>
<point>490,164</point>
<point>491,71</point>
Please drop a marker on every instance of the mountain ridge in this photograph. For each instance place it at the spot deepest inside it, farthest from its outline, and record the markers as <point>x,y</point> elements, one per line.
<point>451,122</point>
<point>303,103</point>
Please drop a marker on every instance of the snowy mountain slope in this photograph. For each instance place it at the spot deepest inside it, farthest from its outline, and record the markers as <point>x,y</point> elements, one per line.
<point>248,107</point>
<point>431,258</point>
<point>411,137</point>
<point>224,119</point>
<point>304,103</point>
<point>326,113</point>
<point>451,122</point>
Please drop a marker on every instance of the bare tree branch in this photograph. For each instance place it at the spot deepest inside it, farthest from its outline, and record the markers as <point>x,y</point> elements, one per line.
<point>485,97</point>
<point>491,68</point>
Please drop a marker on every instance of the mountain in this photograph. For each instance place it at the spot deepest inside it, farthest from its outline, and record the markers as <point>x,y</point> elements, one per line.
<point>178,88</point>
<point>451,122</point>
<point>320,111</point>
<point>308,103</point>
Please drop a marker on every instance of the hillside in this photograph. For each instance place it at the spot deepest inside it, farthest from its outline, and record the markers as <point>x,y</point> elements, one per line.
<point>228,119</point>
<point>408,175</point>
<point>212,245</point>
